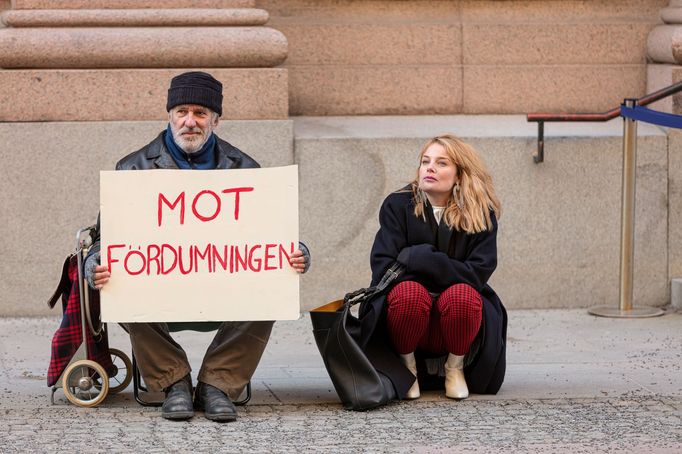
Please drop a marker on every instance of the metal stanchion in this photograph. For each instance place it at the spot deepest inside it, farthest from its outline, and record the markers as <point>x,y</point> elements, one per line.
<point>627,230</point>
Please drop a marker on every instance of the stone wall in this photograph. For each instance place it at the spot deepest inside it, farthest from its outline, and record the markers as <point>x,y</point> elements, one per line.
<point>560,231</point>
<point>49,188</point>
<point>559,235</point>
<point>373,57</point>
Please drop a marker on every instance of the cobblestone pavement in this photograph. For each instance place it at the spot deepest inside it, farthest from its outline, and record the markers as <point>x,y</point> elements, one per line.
<point>554,425</point>
<point>574,384</point>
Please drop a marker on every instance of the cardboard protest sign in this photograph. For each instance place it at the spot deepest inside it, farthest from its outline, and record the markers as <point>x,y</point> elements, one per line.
<point>208,245</point>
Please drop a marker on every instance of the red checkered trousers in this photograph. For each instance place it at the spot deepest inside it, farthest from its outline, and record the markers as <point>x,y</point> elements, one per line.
<point>446,324</point>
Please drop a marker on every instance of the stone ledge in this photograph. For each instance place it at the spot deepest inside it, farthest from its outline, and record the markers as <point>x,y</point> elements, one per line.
<point>472,126</point>
<point>341,44</point>
<point>554,43</point>
<point>134,17</point>
<point>162,47</point>
<point>500,89</point>
<point>85,95</point>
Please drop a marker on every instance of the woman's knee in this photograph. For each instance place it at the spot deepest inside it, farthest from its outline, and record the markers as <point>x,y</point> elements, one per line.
<point>460,299</point>
<point>409,295</point>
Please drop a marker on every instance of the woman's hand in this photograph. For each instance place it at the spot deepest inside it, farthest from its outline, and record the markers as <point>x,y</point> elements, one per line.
<point>101,276</point>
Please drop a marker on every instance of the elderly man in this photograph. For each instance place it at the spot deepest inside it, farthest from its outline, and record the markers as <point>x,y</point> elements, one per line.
<point>194,107</point>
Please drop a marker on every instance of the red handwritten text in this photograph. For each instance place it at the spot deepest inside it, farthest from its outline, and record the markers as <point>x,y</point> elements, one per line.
<point>165,259</point>
<point>216,200</point>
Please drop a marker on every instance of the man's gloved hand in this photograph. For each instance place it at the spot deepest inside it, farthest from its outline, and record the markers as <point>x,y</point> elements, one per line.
<point>97,275</point>
<point>300,259</point>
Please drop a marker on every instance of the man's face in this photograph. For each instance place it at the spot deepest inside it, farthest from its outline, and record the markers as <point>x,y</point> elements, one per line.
<point>192,125</point>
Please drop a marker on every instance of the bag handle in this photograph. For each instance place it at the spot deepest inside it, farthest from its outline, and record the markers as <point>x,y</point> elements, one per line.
<point>359,295</point>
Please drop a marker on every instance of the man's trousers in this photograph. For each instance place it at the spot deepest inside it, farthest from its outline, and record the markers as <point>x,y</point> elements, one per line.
<point>228,364</point>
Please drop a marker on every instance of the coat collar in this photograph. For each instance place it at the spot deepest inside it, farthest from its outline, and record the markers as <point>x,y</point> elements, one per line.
<point>157,152</point>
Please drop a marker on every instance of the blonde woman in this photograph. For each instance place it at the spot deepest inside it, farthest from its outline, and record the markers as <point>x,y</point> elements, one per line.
<point>442,313</point>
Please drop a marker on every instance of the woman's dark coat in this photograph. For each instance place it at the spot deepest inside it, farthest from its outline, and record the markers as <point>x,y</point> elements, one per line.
<point>437,257</point>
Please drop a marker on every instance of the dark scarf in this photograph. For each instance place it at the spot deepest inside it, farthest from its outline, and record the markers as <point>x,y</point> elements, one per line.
<point>203,159</point>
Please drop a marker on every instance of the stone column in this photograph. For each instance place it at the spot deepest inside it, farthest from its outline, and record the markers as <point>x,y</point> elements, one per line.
<point>79,54</point>
<point>664,50</point>
<point>84,82</point>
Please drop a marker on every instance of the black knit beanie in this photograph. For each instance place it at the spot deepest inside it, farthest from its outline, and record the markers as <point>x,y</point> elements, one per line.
<point>196,87</point>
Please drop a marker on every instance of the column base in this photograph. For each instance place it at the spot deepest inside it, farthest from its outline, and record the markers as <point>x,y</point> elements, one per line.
<point>132,94</point>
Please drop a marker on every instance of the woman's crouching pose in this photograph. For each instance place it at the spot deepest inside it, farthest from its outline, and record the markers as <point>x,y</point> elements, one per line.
<point>443,228</point>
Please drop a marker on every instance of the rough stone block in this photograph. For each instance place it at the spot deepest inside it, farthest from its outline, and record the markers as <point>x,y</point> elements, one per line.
<point>368,12</point>
<point>598,38</point>
<point>562,11</point>
<point>558,88</point>
<point>89,95</point>
<point>46,197</point>
<point>551,43</point>
<point>391,44</point>
<point>374,90</point>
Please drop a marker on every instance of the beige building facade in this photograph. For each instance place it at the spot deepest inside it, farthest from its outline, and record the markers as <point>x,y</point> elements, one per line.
<point>349,90</point>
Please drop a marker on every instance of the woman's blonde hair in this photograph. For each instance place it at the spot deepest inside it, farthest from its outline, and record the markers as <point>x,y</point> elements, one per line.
<point>470,202</point>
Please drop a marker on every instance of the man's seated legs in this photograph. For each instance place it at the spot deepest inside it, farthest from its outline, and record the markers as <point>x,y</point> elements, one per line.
<point>228,365</point>
<point>234,353</point>
<point>164,366</point>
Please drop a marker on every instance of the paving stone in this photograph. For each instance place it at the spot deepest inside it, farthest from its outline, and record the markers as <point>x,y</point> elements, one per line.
<point>575,417</point>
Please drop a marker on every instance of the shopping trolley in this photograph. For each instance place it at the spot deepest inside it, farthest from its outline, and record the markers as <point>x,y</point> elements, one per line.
<point>85,382</point>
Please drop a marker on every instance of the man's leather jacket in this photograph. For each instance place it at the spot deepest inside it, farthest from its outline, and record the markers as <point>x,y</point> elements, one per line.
<point>155,156</point>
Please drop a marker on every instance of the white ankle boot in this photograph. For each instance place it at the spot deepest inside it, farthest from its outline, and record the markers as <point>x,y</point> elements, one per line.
<point>455,384</point>
<point>411,363</point>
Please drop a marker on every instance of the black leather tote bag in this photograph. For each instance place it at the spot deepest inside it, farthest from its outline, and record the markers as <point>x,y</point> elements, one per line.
<point>357,382</point>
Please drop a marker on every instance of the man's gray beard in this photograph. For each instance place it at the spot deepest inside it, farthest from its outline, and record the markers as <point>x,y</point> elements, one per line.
<point>190,146</point>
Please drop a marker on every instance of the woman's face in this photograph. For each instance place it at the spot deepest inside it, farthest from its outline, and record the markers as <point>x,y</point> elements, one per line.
<point>437,175</point>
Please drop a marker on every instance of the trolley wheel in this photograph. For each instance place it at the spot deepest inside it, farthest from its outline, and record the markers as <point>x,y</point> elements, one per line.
<point>123,373</point>
<point>85,383</point>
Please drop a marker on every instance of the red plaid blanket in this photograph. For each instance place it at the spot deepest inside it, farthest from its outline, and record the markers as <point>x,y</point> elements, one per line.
<point>69,336</point>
